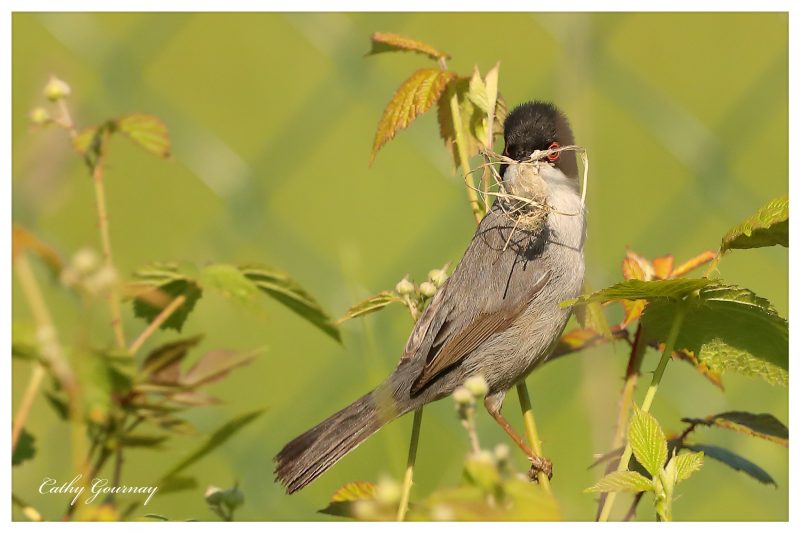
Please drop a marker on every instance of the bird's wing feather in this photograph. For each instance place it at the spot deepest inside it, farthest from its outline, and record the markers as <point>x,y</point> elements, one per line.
<point>494,283</point>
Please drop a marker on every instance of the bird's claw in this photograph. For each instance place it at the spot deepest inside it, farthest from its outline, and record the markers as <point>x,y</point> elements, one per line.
<point>540,464</point>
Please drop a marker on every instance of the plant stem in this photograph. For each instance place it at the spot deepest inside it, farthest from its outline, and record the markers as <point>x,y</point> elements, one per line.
<point>98,172</point>
<point>463,155</point>
<point>666,355</point>
<point>156,323</point>
<point>626,400</point>
<point>53,356</point>
<point>408,478</point>
<point>530,430</point>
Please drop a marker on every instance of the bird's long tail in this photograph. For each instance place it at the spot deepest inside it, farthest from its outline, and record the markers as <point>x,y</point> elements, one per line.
<point>308,456</point>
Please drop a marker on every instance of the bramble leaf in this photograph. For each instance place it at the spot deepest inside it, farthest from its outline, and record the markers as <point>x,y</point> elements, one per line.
<point>662,266</point>
<point>737,462</point>
<point>148,131</point>
<point>647,441</point>
<point>341,503</point>
<point>762,425</point>
<point>634,289</point>
<point>162,365</point>
<point>287,291</point>
<point>392,42</point>
<point>687,464</point>
<point>415,96</point>
<point>625,481</point>
<point>370,305</point>
<point>766,227</point>
<point>728,328</point>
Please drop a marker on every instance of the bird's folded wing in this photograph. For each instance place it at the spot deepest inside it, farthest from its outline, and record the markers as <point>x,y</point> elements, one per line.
<point>454,336</point>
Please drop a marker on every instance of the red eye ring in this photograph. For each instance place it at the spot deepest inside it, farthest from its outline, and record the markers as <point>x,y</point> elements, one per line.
<point>553,157</point>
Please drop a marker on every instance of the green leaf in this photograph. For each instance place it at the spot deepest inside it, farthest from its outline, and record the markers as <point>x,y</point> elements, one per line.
<point>148,131</point>
<point>392,42</point>
<point>762,425</point>
<point>590,315</point>
<point>415,96</point>
<point>285,290</point>
<point>229,281</point>
<point>635,289</point>
<point>647,441</point>
<point>766,227</point>
<point>158,285</point>
<point>370,305</point>
<point>687,464</point>
<point>215,440</point>
<point>25,449</point>
<point>625,481</point>
<point>341,503</point>
<point>737,462</point>
<point>729,329</point>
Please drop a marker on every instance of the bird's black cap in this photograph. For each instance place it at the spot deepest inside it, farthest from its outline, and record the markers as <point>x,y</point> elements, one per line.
<point>537,125</point>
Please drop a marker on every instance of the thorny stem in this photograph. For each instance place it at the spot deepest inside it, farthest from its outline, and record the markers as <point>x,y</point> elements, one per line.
<point>156,323</point>
<point>666,355</point>
<point>51,353</point>
<point>626,400</point>
<point>98,171</point>
<point>408,478</point>
<point>531,431</point>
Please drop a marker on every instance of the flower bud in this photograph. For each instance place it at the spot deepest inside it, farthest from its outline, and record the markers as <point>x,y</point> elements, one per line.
<point>102,280</point>
<point>39,116</point>
<point>404,287</point>
<point>387,492</point>
<point>56,89</point>
<point>233,498</point>
<point>85,261</point>
<point>213,495</point>
<point>437,277</point>
<point>502,452</point>
<point>463,397</point>
<point>427,288</point>
<point>477,386</point>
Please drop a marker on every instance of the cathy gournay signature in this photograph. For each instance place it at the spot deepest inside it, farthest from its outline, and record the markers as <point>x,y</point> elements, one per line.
<point>98,487</point>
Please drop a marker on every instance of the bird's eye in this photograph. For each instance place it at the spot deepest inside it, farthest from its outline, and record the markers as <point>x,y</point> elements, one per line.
<point>553,157</point>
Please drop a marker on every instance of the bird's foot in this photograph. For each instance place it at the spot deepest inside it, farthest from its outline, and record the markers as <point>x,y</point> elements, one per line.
<point>540,464</point>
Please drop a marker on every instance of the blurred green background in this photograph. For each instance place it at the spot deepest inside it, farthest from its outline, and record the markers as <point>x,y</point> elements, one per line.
<point>272,118</point>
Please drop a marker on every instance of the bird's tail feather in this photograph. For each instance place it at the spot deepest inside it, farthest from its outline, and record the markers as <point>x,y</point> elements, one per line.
<point>308,456</point>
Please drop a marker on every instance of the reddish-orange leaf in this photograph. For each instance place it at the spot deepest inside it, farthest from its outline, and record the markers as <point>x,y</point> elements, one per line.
<point>392,42</point>
<point>662,266</point>
<point>23,241</point>
<point>633,310</point>
<point>693,263</point>
<point>415,96</point>
<point>582,338</point>
<point>643,264</point>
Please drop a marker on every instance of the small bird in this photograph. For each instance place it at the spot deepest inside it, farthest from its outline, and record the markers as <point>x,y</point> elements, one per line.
<point>497,316</point>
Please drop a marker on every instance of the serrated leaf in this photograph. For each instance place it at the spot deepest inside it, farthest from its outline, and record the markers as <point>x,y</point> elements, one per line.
<point>477,91</point>
<point>156,286</point>
<point>215,365</point>
<point>766,227</point>
<point>415,96</point>
<point>285,290</point>
<point>635,266</point>
<point>735,461</point>
<point>148,131</point>
<point>625,481</point>
<point>728,328</point>
<point>687,464</point>
<point>341,503</point>
<point>370,305</point>
<point>162,365</point>
<point>215,440</point>
<point>23,241</point>
<point>634,289</point>
<point>761,425</point>
<point>579,339</point>
<point>25,449</point>
<point>647,441</point>
<point>632,309</point>
<point>229,281</point>
<point>693,263</point>
<point>392,42</point>
<point>470,117</point>
<point>662,266</point>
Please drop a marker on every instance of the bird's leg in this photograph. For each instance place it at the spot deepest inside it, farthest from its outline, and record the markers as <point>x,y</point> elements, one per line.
<point>538,464</point>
